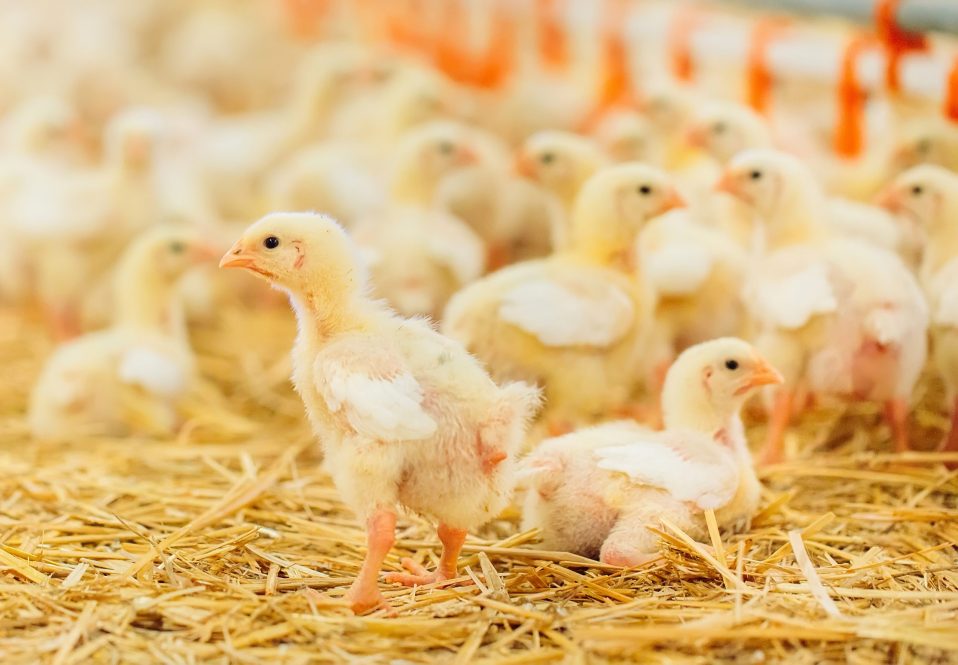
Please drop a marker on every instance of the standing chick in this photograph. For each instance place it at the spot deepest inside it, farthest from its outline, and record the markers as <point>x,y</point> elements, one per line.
<point>928,196</point>
<point>143,363</point>
<point>597,492</point>
<point>837,316</point>
<point>406,416</point>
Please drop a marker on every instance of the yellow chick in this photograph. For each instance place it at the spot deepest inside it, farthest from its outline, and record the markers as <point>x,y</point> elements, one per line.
<point>560,163</point>
<point>836,316</point>
<point>407,418</point>
<point>598,492</point>
<point>928,197</point>
<point>580,317</point>
<point>927,141</point>
<point>129,376</point>
<point>419,255</point>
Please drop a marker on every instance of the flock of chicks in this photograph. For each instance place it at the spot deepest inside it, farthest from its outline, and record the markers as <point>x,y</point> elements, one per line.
<point>581,282</point>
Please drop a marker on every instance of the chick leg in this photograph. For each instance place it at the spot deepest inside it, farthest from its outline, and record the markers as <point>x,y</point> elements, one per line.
<point>629,544</point>
<point>364,594</point>
<point>896,415</point>
<point>773,452</point>
<point>452,541</point>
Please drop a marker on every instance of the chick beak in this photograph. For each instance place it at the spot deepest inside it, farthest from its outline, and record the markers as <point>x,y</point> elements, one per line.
<point>727,183</point>
<point>466,156</point>
<point>890,199</point>
<point>524,165</point>
<point>674,200</point>
<point>236,257</point>
<point>695,137</point>
<point>763,374</point>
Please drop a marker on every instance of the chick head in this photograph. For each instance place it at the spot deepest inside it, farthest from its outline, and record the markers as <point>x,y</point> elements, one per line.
<point>433,150</point>
<point>132,137</point>
<point>559,161</point>
<point>169,251</point>
<point>765,180</point>
<point>926,142</point>
<point>627,137</point>
<point>920,195</point>
<point>299,252</point>
<point>714,379</point>
<point>617,201</point>
<point>723,130</point>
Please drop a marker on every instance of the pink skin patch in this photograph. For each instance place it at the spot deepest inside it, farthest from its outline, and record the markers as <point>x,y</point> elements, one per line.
<point>300,256</point>
<point>489,458</point>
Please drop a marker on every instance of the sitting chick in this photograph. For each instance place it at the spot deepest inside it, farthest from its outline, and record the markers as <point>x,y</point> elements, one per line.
<point>127,377</point>
<point>406,416</point>
<point>597,492</point>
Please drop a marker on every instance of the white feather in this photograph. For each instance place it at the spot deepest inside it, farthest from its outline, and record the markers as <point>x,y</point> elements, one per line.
<point>386,409</point>
<point>589,313</point>
<point>791,302</point>
<point>152,371</point>
<point>688,465</point>
<point>678,269</point>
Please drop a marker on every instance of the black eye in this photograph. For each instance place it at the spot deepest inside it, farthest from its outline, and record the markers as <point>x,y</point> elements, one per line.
<point>445,147</point>
<point>177,247</point>
<point>924,146</point>
<point>755,175</point>
<point>719,128</point>
<point>271,242</point>
<point>547,158</point>
<point>917,190</point>
<point>731,364</point>
<point>645,190</point>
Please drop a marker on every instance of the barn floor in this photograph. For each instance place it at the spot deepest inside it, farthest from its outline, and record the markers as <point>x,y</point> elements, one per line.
<point>230,545</point>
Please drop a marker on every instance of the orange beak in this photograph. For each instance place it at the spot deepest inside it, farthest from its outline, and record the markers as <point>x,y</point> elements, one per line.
<point>236,257</point>
<point>762,375</point>
<point>727,183</point>
<point>467,156</point>
<point>524,165</point>
<point>674,200</point>
<point>890,199</point>
<point>696,136</point>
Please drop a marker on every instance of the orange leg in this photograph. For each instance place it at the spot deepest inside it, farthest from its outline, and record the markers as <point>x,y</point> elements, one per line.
<point>951,441</point>
<point>896,415</point>
<point>773,452</point>
<point>497,256</point>
<point>364,594</point>
<point>452,540</point>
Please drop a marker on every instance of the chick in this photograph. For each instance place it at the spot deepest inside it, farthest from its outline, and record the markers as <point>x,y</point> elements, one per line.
<point>580,317</point>
<point>130,376</point>
<point>598,492</point>
<point>407,417</point>
<point>626,136</point>
<point>560,163</point>
<point>927,141</point>
<point>836,316</point>
<point>419,255</point>
<point>928,196</point>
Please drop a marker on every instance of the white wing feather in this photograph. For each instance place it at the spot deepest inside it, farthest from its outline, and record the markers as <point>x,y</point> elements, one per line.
<point>152,371</point>
<point>791,302</point>
<point>688,466</point>
<point>589,313</point>
<point>677,269</point>
<point>382,408</point>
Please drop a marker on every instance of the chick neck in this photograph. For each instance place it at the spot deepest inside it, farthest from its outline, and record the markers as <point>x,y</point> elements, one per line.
<point>146,298</point>
<point>798,218</point>
<point>687,406</point>
<point>332,305</point>
<point>942,243</point>
<point>409,186</point>
<point>599,237</point>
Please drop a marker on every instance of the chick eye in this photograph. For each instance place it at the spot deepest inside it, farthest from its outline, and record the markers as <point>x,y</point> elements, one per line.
<point>917,190</point>
<point>924,146</point>
<point>271,242</point>
<point>719,128</point>
<point>731,364</point>
<point>446,148</point>
<point>645,190</point>
<point>755,175</point>
<point>177,247</point>
<point>547,158</point>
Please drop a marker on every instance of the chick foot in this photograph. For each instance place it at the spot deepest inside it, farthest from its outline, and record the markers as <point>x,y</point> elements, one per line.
<point>418,575</point>
<point>452,540</point>
<point>363,599</point>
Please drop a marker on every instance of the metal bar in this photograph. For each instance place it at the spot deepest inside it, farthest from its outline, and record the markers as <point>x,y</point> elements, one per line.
<point>913,15</point>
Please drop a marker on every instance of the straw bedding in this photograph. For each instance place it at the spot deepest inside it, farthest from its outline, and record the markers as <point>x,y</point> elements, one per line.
<point>229,545</point>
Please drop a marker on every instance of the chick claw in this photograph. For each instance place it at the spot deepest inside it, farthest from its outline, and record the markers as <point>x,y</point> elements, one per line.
<point>417,576</point>
<point>363,601</point>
